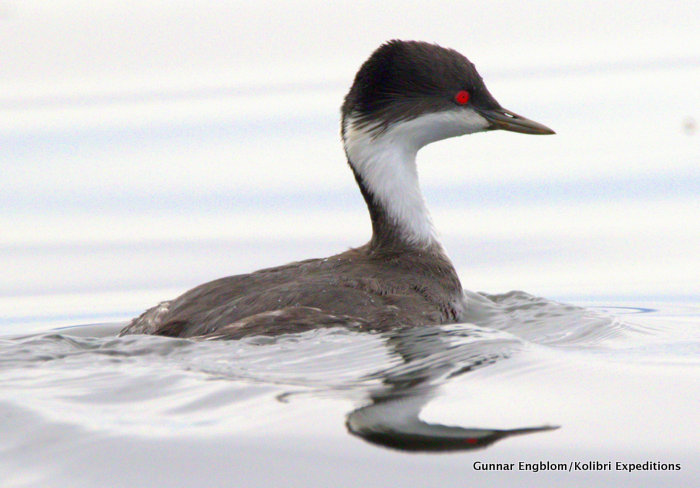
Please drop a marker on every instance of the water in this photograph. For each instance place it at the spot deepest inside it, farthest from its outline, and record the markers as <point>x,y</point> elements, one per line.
<point>531,380</point>
<point>137,166</point>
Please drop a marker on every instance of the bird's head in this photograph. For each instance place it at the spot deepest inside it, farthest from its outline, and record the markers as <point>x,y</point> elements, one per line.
<point>422,93</point>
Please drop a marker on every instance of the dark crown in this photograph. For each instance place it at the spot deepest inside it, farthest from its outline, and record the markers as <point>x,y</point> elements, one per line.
<point>402,80</point>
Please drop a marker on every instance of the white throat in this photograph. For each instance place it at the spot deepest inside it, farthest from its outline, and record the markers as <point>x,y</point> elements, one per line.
<point>386,162</point>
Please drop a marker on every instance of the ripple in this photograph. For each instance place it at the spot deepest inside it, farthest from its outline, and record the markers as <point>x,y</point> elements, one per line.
<point>547,322</point>
<point>87,376</point>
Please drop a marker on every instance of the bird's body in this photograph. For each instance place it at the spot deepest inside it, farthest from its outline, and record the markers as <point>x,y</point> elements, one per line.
<point>361,288</point>
<point>406,95</point>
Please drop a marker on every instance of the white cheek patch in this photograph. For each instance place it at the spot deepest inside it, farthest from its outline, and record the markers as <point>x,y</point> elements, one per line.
<point>437,126</point>
<point>386,163</point>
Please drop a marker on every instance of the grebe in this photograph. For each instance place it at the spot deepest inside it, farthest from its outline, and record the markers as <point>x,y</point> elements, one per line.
<point>406,95</point>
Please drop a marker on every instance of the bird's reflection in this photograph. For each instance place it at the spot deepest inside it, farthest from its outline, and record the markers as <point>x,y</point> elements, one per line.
<point>429,356</point>
<point>422,359</point>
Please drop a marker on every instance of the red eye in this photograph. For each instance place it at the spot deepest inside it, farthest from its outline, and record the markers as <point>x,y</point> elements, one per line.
<point>462,97</point>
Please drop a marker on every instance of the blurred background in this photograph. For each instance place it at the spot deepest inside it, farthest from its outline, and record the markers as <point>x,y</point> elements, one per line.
<point>147,147</point>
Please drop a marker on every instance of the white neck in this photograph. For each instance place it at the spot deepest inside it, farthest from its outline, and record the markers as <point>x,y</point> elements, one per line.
<point>387,165</point>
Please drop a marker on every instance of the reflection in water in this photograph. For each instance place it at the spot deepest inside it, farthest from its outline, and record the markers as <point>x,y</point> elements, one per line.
<point>87,375</point>
<point>400,428</point>
<point>431,355</point>
<point>399,372</point>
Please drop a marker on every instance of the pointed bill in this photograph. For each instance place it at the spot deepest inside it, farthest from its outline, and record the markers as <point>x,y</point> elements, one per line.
<point>503,119</point>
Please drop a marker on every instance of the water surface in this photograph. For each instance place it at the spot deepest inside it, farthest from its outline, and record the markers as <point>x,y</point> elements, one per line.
<point>531,380</point>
